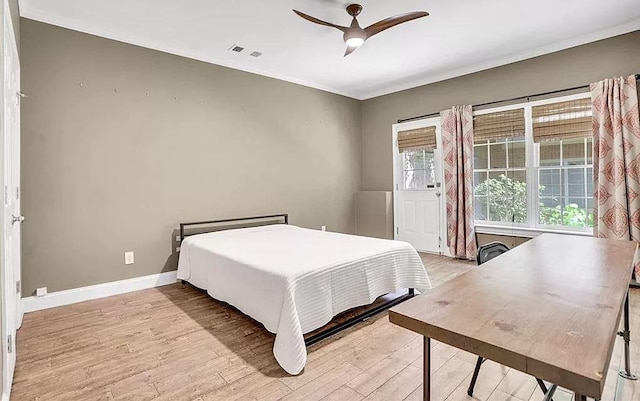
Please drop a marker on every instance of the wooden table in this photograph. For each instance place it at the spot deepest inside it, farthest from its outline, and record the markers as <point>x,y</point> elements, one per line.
<point>550,308</point>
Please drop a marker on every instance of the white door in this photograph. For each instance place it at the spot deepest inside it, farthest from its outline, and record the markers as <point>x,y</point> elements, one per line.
<point>12,313</point>
<point>418,195</point>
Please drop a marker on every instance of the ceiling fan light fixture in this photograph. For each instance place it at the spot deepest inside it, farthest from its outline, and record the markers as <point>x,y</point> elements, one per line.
<point>354,42</point>
<point>354,37</point>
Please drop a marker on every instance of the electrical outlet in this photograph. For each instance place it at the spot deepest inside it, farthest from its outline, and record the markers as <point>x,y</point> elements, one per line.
<point>128,258</point>
<point>177,238</point>
<point>41,292</point>
<point>324,228</point>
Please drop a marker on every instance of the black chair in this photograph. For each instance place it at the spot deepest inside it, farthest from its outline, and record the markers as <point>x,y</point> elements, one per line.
<point>489,251</point>
<point>486,253</point>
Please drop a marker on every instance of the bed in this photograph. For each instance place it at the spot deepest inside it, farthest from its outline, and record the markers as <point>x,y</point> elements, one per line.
<point>295,280</point>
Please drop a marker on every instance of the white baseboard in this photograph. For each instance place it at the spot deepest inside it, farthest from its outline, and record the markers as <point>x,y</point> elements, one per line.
<point>68,297</point>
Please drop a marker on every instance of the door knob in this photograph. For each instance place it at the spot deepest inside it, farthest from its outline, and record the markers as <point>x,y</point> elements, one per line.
<point>17,219</point>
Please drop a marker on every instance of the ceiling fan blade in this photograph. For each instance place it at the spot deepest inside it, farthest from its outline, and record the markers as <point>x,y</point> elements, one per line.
<point>350,49</point>
<point>321,22</point>
<point>393,21</point>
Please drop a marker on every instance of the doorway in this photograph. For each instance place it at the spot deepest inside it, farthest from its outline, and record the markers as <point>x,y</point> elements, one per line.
<point>417,174</point>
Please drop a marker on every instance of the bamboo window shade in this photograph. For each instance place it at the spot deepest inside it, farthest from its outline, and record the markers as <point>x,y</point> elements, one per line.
<point>498,125</point>
<point>562,120</point>
<point>421,138</point>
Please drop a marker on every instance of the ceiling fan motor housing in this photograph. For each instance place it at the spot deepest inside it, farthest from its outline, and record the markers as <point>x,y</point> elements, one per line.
<point>354,9</point>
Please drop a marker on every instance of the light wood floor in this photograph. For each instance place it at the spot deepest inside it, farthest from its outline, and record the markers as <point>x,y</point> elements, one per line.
<point>176,343</point>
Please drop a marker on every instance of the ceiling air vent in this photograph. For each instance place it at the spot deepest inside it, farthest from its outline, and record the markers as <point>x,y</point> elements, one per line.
<point>256,54</point>
<point>236,48</point>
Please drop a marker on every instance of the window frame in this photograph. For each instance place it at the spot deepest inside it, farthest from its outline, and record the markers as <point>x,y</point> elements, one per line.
<point>531,227</point>
<point>507,169</point>
<point>564,170</point>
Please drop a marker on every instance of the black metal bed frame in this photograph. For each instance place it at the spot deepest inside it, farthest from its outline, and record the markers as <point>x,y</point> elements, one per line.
<point>321,335</point>
<point>283,216</point>
<point>358,318</point>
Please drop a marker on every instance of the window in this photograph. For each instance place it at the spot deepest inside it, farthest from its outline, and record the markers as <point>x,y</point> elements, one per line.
<point>565,183</point>
<point>562,133</point>
<point>500,172</point>
<point>533,165</point>
<point>418,160</point>
<point>501,180</point>
<point>418,169</point>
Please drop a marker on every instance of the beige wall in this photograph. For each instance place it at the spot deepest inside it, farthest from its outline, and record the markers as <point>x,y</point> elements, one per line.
<point>573,67</point>
<point>509,241</point>
<point>374,214</point>
<point>121,143</point>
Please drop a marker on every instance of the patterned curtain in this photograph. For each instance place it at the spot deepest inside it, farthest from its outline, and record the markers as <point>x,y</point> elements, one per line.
<point>457,151</point>
<point>616,159</point>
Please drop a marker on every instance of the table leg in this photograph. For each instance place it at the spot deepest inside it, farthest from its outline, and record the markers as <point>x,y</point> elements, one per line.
<point>426,373</point>
<point>580,397</point>
<point>626,335</point>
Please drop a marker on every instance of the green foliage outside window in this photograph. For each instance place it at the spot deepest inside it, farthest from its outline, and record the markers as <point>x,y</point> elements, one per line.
<point>573,216</point>
<point>507,200</point>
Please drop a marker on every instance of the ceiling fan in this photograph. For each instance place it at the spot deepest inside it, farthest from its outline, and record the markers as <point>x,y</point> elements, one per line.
<point>354,36</point>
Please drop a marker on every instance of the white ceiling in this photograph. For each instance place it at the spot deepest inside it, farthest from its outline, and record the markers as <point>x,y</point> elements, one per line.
<point>459,37</point>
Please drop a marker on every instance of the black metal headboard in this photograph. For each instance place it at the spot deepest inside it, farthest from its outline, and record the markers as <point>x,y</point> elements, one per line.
<point>271,218</point>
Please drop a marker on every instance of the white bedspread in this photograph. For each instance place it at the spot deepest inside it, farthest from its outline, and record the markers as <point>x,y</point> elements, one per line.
<point>295,280</point>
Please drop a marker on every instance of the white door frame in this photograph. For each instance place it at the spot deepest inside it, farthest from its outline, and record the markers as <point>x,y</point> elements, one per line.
<point>11,317</point>
<point>410,125</point>
<point>16,96</point>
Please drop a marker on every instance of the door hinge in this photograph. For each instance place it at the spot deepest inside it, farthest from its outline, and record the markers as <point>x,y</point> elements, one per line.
<point>9,343</point>
<point>17,193</point>
<point>6,194</point>
<point>18,287</point>
<point>397,187</point>
<point>19,97</point>
<point>397,230</point>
